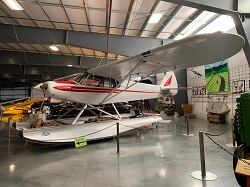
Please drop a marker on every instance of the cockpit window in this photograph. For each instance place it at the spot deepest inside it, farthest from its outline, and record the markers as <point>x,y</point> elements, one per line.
<point>88,79</point>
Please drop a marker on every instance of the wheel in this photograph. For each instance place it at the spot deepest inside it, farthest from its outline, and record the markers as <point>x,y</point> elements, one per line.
<point>240,152</point>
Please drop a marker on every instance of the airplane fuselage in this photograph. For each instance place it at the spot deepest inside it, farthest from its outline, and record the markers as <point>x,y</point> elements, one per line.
<point>94,95</point>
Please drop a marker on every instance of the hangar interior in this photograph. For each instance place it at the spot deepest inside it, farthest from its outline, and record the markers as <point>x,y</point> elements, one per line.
<point>54,139</point>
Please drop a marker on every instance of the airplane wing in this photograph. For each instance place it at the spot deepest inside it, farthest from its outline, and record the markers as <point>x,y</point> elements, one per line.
<point>188,52</point>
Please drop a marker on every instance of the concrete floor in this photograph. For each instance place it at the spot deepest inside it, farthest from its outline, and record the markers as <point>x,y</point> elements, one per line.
<point>154,158</point>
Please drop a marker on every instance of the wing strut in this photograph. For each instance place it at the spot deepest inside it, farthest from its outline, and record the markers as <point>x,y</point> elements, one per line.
<point>116,111</point>
<point>104,112</point>
<point>118,85</point>
<point>79,114</point>
<point>135,82</point>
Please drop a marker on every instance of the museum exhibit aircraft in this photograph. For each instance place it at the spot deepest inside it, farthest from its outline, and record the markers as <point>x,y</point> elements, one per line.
<point>111,83</point>
<point>17,106</point>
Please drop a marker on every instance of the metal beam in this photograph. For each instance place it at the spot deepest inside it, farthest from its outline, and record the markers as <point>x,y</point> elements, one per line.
<point>66,15</point>
<point>86,13</point>
<point>108,20</point>
<point>26,58</point>
<point>131,4</point>
<point>79,7</point>
<point>10,16</point>
<point>185,24</point>
<point>30,17</point>
<point>220,7</point>
<point>216,16</point>
<point>120,26</point>
<point>87,18</point>
<point>95,41</point>
<point>148,17</point>
<point>166,22</point>
<point>46,13</point>
<point>227,7</point>
<point>243,30</point>
<point>17,72</point>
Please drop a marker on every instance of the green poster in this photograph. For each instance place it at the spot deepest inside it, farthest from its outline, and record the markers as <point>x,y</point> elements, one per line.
<point>217,77</point>
<point>80,142</point>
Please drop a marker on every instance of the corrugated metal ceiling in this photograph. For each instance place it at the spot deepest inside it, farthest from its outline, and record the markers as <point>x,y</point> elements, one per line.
<point>128,17</point>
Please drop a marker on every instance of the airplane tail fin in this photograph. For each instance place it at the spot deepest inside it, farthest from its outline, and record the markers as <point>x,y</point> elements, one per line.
<point>169,83</point>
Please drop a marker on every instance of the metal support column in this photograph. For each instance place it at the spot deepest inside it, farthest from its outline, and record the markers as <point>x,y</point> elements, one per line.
<point>203,175</point>
<point>117,152</point>
<point>187,123</point>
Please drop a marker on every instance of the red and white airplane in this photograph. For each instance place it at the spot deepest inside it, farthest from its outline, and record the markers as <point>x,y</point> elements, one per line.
<point>91,89</point>
<point>113,83</point>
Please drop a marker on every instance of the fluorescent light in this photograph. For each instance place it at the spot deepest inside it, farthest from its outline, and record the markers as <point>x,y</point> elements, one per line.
<point>13,4</point>
<point>53,48</point>
<point>155,18</point>
<point>70,65</point>
<point>223,23</point>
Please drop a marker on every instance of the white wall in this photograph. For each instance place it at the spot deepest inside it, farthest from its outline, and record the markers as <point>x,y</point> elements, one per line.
<point>238,70</point>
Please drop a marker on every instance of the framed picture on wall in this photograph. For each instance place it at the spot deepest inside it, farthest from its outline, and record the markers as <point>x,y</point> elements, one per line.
<point>202,90</point>
<point>241,86</point>
<point>238,86</point>
<point>234,86</point>
<point>195,90</point>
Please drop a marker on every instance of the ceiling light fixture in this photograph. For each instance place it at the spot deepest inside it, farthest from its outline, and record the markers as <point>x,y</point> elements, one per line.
<point>53,48</point>
<point>155,18</point>
<point>70,65</point>
<point>13,4</point>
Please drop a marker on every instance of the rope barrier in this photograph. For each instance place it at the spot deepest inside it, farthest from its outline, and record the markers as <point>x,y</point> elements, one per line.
<point>224,149</point>
<point>220,133</point>
<point>80,136</point>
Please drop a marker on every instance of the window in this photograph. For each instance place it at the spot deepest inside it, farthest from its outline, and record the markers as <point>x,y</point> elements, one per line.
<point>88,79</point>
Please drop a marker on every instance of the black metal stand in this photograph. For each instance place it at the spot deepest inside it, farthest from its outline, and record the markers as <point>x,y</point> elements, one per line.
<point>203,175</point>
<point>117,152</point>
<point>187,123</point>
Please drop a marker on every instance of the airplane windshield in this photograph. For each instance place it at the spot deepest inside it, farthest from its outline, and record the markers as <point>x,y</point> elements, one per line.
<point>88,79</point>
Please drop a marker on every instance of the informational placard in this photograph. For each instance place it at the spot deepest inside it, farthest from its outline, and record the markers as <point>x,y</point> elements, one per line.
<point>80,142</point>
<point>243,168</point>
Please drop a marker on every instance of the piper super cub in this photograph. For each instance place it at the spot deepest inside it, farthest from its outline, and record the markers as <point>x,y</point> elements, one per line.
<point>111,83</point>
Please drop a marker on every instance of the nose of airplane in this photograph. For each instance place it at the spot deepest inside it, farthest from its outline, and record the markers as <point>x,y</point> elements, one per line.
<point>41,87</point>
<point>38,88</point>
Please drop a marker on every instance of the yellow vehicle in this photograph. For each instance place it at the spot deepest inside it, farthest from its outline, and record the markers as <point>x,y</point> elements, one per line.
<point>20,108</point>
<point>13,118</point>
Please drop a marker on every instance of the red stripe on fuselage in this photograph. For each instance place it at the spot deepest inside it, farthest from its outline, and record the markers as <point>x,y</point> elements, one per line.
<point>96,90</point>
<point>65,82</point>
